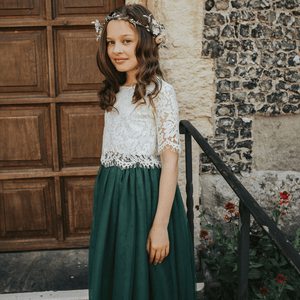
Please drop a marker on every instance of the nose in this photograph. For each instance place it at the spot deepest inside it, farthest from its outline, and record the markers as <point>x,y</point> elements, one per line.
<point>118,48</point>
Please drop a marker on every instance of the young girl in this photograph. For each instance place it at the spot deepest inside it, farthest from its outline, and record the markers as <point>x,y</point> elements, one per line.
<point>140,245</point>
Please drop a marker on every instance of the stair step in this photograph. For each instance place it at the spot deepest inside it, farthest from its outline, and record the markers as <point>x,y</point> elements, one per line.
<point>51,295</point>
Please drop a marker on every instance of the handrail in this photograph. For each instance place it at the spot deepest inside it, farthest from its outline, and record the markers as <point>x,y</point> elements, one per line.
<point>247,205</point>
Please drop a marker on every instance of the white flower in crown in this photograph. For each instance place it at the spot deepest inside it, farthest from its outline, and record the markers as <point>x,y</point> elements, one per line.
<point>97,25</point>
<point>156,31</point>
<point>99,28</point>
<point>154,22</point>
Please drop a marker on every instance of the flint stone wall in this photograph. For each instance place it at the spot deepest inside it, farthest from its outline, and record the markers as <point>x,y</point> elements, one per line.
<point>256,46</point>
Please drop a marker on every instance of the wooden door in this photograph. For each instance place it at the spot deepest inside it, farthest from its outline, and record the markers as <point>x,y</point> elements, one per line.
<point>50,121</point>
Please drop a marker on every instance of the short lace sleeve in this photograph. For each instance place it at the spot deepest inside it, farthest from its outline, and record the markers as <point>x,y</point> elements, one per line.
<point>167,119</point>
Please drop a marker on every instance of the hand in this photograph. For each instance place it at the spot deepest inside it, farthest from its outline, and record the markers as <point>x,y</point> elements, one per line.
<point>158,244</point>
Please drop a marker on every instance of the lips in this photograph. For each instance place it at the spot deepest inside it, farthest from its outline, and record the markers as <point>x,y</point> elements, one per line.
<point>120,59</point>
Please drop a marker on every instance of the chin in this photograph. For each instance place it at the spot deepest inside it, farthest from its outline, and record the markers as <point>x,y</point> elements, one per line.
<point>120,69</point>
<point>124,68</point>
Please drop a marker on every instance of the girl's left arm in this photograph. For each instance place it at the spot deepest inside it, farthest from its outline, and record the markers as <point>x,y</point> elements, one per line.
<point>167,188</point>
<point>158,244</point>
<point>168,140</point>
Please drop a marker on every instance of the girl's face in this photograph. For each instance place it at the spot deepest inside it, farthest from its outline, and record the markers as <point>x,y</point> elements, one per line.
<point>121,46</point>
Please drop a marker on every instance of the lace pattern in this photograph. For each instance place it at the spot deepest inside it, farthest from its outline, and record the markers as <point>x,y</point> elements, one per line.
<point>126,161</point>
<point>137,135</point>
<point>167,120</point>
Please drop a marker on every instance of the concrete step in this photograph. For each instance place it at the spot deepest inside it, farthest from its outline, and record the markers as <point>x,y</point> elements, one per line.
<point>51,295</point>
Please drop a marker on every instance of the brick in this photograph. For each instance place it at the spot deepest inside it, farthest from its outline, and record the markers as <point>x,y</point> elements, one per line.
<point>239,97</point>
<point>209,4</point>
<point>225,110</point>
<point>246,109</point>
<point>223,86</point>
<point>260,4</point>
<point>228,31</point>
<point>223,97</point>
<point>212,33</point>
<point>244,144</point>
<point>225,122</point>
<point>212,19</point>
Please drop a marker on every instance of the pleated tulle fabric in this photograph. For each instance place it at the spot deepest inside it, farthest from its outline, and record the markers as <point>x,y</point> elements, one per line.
<point>125,203</point>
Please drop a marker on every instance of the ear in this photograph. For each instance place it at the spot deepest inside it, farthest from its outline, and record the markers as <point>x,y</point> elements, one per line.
<point>154,43</point>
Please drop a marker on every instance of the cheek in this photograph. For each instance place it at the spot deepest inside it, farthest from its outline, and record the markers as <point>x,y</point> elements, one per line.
<point>133,51</point>
<point>109,53</point>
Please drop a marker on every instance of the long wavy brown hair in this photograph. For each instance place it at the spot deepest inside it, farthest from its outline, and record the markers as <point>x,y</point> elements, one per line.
<point>147,57</point>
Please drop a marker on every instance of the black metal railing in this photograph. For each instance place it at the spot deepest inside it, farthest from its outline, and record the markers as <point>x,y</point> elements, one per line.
<point>247,206</point>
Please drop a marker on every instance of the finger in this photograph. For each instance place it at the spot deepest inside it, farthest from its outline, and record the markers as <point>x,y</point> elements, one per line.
<point>148,245</point>
<point>157,257</point>
<point>162,255</point>
<point>152,255</point>
<point>167,250</point>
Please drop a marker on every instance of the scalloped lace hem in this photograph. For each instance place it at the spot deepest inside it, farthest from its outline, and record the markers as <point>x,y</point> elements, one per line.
<point>175,147</point>
<point>125,161</point>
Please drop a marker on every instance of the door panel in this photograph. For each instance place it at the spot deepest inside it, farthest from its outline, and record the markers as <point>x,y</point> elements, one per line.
<point>30,8</point>
<point>81,135</point>
<point>77,65</point>
<point>23,55</point>
<point>51,125</point>
<point>25,137</point>
<point>27,208</point>
<point>71,7</point>
<point>81,4</point>
<point>79,216</point>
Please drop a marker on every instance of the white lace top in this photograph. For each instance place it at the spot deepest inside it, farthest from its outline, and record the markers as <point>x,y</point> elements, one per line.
<point>138,135</point>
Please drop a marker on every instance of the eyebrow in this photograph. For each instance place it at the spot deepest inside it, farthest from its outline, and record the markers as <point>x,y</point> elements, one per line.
<point>127,34</point>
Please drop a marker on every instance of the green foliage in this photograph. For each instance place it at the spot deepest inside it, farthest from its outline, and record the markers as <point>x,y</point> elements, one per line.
<point>266,262</point>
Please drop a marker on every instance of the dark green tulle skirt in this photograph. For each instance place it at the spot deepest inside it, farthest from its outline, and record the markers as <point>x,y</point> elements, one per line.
<point>125,203</point>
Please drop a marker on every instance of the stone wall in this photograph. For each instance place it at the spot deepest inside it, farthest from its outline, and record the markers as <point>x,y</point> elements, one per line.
<point>256,45</point>
<point>264,186</point>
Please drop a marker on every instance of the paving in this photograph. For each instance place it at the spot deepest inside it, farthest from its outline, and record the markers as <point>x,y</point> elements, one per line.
<point>36,271</point>
<point>47,275</point>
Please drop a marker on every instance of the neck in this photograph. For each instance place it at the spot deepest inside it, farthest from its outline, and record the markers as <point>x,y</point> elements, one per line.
<point>130,83</point>
<point>131,77</point>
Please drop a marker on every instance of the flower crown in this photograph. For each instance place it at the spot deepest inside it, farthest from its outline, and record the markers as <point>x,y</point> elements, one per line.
<point>155,28</point>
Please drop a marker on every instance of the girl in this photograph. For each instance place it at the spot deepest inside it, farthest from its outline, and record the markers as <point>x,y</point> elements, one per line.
<point>140,245</point>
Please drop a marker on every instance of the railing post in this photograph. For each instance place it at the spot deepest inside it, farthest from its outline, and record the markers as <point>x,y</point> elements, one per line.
<point>189,178</point>
<point>243,251</point>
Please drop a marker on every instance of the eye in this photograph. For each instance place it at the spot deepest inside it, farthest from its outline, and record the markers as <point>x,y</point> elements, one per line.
<point>127,41</point>
<point>110,42</point>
